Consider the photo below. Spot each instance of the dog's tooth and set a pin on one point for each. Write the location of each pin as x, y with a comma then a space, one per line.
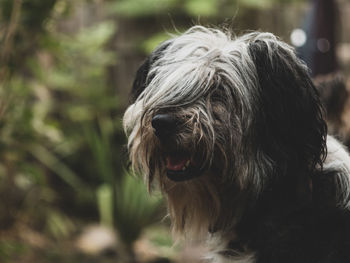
188, 163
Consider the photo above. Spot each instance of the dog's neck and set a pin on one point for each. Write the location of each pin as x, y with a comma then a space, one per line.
247, 213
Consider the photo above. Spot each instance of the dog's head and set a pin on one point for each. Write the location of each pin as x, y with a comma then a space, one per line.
215, 120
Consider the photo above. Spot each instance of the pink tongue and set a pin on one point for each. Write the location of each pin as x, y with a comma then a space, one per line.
175, 163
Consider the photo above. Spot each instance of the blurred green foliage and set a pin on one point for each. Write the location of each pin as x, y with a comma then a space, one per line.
60, 131
150, 44
135, 210
194, 8
137, 8
29, 19
10, 249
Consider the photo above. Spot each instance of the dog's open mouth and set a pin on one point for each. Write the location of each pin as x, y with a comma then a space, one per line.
177, 163
181, 167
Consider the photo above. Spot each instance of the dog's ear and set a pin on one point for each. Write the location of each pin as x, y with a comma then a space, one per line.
289, 119
142, 79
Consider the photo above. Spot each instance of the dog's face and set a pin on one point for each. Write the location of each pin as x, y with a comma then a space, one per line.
215, 120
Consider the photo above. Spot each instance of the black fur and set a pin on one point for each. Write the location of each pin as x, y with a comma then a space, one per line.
142, 79
296, 219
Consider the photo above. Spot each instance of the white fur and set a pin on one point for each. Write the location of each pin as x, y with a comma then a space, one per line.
187, 69
191, 62
132, 120
338, 159
249, 258
217, 245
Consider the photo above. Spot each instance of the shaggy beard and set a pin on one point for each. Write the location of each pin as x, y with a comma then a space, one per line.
195, 206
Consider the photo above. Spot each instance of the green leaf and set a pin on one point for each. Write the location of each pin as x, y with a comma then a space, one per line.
53, 163
135, 208
105, 204
58, 224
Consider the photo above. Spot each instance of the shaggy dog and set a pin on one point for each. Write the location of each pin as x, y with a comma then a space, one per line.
231, 130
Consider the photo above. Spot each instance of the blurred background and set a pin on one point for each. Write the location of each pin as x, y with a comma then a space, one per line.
66, 69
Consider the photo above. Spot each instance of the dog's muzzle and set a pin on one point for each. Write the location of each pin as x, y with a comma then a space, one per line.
180, 167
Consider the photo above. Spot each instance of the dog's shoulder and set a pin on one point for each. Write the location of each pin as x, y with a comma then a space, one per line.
310, 235
332, 184
319, 232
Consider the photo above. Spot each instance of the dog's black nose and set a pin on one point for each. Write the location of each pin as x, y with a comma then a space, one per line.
163, 124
